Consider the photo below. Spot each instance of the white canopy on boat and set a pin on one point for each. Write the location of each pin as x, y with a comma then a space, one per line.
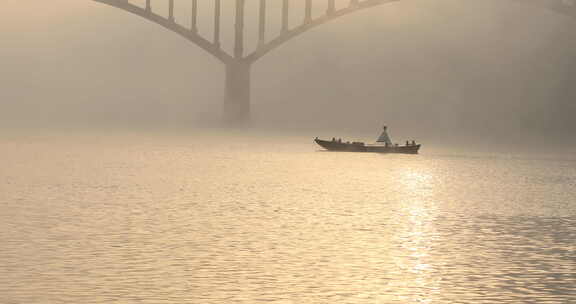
384, 138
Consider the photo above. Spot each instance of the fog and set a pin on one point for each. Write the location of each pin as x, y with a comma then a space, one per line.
436, 70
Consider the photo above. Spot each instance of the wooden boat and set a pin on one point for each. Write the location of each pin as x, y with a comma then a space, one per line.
382, 145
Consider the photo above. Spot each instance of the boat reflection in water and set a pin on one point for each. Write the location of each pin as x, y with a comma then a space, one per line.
382, 145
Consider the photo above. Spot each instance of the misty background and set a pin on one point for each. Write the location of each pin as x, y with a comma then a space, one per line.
434, 70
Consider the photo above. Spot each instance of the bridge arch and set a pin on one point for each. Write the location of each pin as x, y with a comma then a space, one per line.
238, 65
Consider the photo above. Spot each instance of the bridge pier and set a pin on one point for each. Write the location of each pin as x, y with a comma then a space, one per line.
237, 95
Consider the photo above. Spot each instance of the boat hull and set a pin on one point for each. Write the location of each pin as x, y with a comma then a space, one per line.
359, 147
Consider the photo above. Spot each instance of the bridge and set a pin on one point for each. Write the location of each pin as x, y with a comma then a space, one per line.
238, 61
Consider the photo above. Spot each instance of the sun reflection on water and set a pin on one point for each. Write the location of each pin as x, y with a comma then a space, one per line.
416, 237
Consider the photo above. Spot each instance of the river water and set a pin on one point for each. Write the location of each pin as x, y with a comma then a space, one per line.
249, 219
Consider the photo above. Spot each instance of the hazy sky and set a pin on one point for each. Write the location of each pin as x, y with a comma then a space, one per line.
490, 68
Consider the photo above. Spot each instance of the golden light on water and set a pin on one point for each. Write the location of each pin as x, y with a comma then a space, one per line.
302, 228
417, 236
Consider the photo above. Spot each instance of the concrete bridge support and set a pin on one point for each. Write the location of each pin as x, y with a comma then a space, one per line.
237, 94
